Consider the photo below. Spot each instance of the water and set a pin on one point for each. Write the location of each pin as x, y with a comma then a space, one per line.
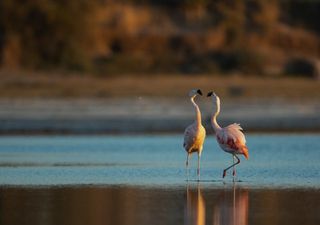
129, 205
141, 180
275, 161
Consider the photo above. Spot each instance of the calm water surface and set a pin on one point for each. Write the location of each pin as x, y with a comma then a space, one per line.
275, 161
142, 180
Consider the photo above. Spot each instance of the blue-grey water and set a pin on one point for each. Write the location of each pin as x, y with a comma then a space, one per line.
276, 160
141, 180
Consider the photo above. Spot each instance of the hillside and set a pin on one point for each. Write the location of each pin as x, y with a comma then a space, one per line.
254, 37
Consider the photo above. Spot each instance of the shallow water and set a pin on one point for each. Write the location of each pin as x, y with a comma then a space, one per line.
131, 205
131, 180
277, 160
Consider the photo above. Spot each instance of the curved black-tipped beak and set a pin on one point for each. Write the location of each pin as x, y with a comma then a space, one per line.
199, 92
210, 93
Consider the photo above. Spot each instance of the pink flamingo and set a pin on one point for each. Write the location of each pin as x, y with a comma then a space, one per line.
195, 133
230, 138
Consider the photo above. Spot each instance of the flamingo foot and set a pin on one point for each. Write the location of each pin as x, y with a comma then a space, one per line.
224, 174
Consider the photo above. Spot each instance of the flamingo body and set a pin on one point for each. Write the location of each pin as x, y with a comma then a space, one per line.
194, 138
232, 140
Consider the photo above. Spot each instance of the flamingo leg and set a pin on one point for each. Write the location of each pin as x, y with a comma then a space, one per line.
187, 165
187, 162
225, 170
198, 170
234, 168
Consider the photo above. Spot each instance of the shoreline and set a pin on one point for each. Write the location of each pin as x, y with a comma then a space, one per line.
150, 115
204, 185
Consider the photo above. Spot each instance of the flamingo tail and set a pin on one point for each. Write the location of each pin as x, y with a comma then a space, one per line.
245, 152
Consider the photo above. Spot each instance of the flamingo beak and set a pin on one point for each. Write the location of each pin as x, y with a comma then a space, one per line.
199, 92
210, 93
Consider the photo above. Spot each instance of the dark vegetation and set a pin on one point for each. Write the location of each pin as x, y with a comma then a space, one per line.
264, 37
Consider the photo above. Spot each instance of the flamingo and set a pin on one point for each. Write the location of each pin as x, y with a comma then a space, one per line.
195, 133
230, 138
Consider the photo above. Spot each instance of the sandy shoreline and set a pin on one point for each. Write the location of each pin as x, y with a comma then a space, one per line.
145, 114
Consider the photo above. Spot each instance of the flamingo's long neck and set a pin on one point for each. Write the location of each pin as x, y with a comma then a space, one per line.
198, 113
214, 123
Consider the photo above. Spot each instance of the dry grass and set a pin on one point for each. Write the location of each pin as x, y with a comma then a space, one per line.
31, 85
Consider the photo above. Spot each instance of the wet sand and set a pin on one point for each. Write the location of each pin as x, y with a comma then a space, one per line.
130, 205
151, 115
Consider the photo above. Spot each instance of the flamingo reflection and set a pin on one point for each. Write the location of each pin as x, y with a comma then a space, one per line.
232, 209
195, 211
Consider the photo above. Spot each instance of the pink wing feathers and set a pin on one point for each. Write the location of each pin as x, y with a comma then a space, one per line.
231, 139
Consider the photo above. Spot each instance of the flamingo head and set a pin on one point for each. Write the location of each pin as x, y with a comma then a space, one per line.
215, 98
211, 93
195, 92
